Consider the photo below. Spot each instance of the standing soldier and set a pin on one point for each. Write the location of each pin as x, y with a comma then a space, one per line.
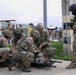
11, 29
60, 34
4, 51
20, 27
72, 65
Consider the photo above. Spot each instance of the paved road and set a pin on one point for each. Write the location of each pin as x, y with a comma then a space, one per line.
59, 70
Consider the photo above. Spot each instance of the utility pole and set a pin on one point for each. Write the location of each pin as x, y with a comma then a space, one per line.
45, 13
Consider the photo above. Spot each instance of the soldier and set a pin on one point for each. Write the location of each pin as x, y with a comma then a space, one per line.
20, 27
4, 51
21, 52
10, 27
35, 35
38, 56
72, 65
43, 42
60, 34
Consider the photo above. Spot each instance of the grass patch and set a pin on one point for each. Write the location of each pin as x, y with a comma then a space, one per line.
9, 45
58, 51
58, 54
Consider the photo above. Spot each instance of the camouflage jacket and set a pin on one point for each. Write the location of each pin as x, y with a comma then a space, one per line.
3, 42
44, 37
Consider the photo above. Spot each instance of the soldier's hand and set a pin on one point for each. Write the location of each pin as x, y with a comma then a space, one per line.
35, 51
40, 47
10, 55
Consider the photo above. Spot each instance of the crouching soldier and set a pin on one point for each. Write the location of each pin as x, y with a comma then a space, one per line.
22, 56
4, 51
41, 56
44, 43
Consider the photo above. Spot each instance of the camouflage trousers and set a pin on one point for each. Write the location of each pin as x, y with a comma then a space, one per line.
4, 53
24, 57
40, 59
72, 65
48, 52
45, 55
74, 48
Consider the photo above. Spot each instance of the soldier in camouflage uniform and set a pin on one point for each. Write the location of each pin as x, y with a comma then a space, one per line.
72, 65
43, 43
60, 34
38, 56
4, 51
21, 52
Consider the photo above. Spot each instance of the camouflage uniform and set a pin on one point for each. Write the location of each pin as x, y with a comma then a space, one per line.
60, 34
44, 41
22, 53
21, 28
72, 65
73, 62
38, 56
10, 28
4, 51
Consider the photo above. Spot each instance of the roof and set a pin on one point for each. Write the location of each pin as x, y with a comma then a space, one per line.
51, 27
6, 20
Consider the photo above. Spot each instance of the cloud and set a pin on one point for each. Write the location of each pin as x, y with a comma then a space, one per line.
26, 11
54, 21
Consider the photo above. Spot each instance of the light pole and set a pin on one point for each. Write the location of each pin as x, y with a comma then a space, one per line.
45, 13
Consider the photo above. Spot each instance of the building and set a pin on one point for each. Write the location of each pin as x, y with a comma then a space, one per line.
4, 24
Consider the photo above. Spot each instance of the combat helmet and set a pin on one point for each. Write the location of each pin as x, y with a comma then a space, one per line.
29, 41
17, 33
7, 33
72, 8
35, 33
39, 26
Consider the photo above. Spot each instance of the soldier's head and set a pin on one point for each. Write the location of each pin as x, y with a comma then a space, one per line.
7, 34
39, 27
20, 25
29, 41
17, 33
31, 25
34, 34
72, 8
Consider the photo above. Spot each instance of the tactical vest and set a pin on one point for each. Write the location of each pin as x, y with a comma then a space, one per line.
42, 38
21, 46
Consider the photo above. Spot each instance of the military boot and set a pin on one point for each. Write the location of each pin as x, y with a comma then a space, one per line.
12, 63
72, 65
25, 69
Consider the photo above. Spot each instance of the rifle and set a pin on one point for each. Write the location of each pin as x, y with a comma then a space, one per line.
21, 40
37, 49
49, 64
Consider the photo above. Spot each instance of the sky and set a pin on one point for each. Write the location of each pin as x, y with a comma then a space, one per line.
31, 11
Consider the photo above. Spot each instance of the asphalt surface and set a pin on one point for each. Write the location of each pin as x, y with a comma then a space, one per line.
59, 70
